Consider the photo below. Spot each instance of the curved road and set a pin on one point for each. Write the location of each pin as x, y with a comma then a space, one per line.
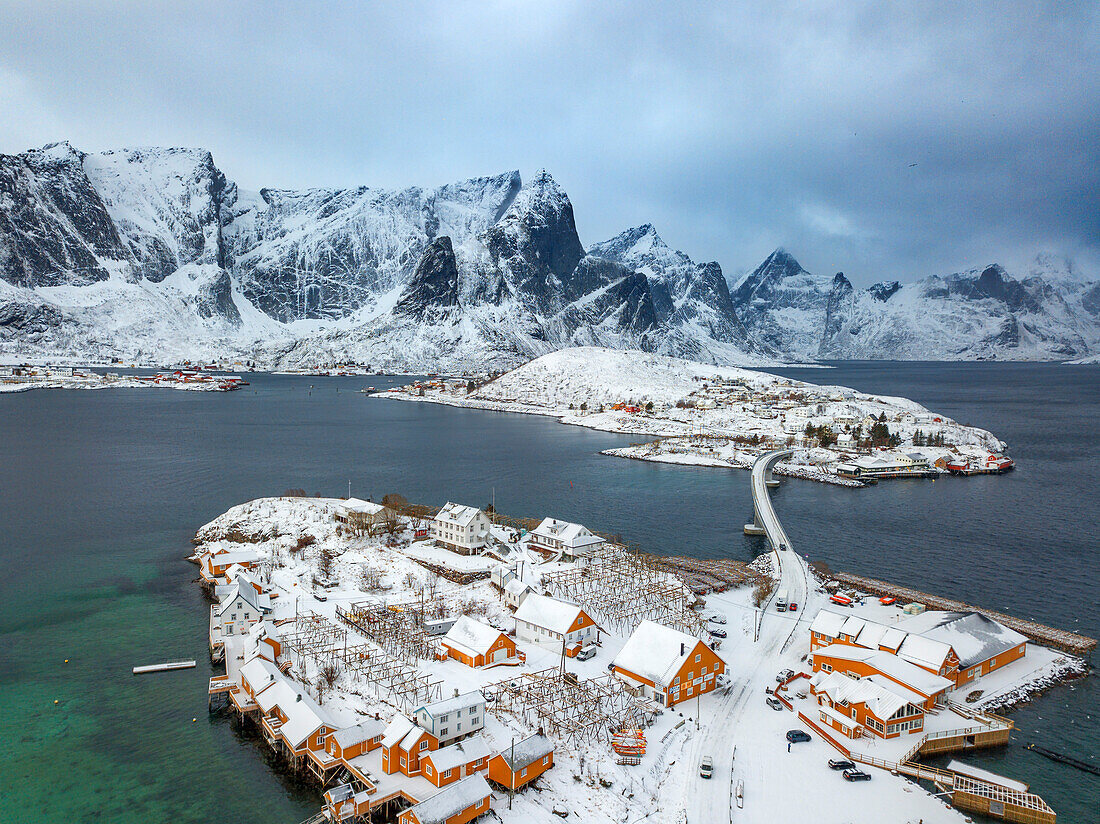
727, 728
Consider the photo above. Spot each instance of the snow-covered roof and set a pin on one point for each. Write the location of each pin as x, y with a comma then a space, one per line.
924, 651
572, 535
526, 752
303, 714
465, 751
260, 673
240, 556
359, 505
398, 728
472, 637
828, 623
457, 514
248, 594
458, 702
363, 731
881, 700
548, 613
974, 637
451, 800
919, 679
655, 652
516, 587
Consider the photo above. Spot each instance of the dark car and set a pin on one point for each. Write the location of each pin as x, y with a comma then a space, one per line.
718, 632
841, 765
794, 736
856, 775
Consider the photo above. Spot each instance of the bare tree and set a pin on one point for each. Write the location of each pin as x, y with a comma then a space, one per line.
361, 523
370, 579
324, 562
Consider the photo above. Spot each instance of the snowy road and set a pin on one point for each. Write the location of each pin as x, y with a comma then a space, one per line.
733, 722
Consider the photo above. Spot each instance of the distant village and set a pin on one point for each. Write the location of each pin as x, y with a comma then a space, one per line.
727, 421
428, 665
27, 377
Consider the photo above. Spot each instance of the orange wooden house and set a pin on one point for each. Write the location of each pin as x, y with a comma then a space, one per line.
874, 703
522, 763
476, 644
351, 742
857, 662
456, 803
403, 746
450, 764
667, 665
541, 619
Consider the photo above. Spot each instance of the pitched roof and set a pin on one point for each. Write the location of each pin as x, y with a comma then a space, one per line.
548, 613
248, 594
363, 731
472, 637
260, 673
878, 697
655, 652
359, 505
398, 728
452, 799
828, 623
465, 751
526, 752
572, 535
919, 679
303, 714
974, 636
458, 702
457, 514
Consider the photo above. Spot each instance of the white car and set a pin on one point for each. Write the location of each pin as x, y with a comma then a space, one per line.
717, 618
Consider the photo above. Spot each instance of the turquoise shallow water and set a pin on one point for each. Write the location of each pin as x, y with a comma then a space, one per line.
101, 491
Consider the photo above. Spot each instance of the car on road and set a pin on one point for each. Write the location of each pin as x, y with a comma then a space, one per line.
795, 736
782, 547
856, 775
793, 607
586, 653
706, 767
784, 675
717, 632
320, 596
840, 764
774, 703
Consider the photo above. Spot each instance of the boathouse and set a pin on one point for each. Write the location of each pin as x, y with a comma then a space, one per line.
457, 803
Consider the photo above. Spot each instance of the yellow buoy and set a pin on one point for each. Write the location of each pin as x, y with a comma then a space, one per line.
194, 719
66, 660
55, 701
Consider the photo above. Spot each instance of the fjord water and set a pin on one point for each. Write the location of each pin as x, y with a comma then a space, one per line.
102, 490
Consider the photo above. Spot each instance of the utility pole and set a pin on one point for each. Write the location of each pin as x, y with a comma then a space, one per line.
511, 769
349, 487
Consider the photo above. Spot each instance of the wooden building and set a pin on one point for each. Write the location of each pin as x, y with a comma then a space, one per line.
667, 665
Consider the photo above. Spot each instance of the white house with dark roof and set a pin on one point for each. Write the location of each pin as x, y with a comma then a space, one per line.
461, 529
571, 541
239, 607
453, 718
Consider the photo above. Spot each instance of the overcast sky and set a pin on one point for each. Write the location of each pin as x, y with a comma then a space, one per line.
884, 141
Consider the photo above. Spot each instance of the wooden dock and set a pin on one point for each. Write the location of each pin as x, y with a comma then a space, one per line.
1071, 642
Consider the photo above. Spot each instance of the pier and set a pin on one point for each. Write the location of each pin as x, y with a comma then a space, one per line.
165, 666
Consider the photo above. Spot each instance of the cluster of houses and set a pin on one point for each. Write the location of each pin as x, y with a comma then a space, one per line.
882, 679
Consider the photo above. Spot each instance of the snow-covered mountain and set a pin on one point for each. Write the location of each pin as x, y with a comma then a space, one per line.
155, 254
1050, 314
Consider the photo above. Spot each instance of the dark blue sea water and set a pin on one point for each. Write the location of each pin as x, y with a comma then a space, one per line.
101, 491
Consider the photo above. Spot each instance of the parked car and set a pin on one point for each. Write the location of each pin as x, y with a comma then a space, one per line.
795, 736
717, 632
782, 547
840, 764
784, 675
320, 596
856, 775
706, 767
586, 653
718, 618
774, 703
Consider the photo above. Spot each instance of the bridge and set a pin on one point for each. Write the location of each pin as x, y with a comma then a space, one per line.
765, 521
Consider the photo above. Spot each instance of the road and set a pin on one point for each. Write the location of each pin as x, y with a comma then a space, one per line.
736, 720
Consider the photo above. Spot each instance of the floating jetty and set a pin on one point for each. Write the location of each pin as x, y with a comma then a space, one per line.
165, 666
1071, 642
1064, 759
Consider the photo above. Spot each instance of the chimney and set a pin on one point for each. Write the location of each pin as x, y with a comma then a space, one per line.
298, 697
456, 692
683, 648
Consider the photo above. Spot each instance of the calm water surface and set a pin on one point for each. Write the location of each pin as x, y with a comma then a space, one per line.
101, 491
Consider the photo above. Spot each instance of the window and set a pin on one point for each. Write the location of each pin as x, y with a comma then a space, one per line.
523, 772
443, 718
428, 769
698, 658
443, 733
402, 761
677, 681
546, 761
423, 745
703, 671
447, 774
473, 722
691, 674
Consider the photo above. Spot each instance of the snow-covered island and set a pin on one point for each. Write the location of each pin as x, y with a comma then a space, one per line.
26, 378
725, 417
433, 664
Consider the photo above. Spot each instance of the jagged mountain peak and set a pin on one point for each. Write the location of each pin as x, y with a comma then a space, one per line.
884, 290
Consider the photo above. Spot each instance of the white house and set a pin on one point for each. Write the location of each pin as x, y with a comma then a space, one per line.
515, 591
461, 529
571, 540
547, 621
453, 718
239, 608
367, 512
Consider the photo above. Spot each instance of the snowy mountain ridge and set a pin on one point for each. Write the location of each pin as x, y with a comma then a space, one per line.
154, 254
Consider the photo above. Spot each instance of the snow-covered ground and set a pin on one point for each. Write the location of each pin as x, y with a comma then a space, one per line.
706, 415
94, 380
735, 727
